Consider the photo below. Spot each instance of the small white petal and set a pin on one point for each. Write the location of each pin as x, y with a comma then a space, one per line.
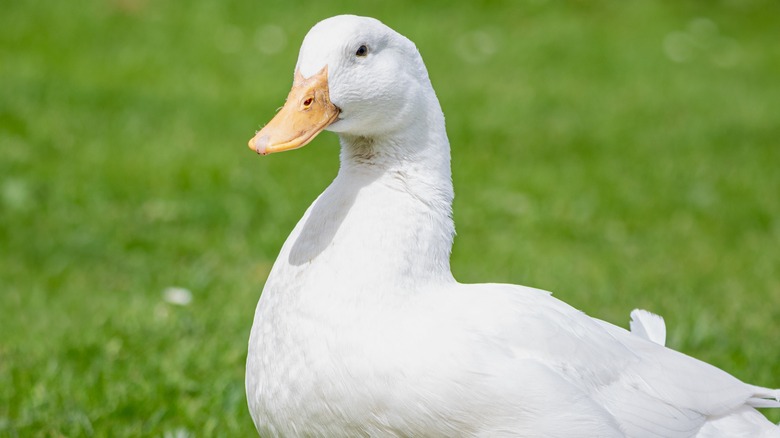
178, 296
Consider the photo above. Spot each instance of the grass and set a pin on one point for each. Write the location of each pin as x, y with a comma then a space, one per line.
620, 154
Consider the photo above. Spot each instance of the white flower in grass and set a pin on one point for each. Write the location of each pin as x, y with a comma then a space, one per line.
177, 295
180, 432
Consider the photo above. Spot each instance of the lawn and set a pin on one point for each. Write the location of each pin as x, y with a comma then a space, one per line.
620, 154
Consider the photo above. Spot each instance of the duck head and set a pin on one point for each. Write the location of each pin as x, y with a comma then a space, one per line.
354, 76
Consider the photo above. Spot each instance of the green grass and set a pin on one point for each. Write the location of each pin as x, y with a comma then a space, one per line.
620, 154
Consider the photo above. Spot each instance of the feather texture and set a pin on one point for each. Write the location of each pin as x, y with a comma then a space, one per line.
649, 326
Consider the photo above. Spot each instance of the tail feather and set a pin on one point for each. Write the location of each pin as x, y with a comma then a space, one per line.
649, 326
764, 397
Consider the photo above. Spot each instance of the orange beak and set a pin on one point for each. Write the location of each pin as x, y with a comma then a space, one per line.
306, 113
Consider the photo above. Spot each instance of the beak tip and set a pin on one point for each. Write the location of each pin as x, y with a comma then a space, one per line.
259, 144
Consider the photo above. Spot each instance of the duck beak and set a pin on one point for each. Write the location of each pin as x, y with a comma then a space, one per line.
306, 113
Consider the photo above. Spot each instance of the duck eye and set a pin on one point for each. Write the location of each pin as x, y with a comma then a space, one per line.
362, 51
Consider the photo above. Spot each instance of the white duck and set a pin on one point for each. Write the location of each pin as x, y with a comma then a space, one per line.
362, 330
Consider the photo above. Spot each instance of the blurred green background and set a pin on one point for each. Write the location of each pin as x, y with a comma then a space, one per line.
620, 154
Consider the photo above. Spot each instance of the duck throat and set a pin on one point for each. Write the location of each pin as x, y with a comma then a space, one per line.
387, 215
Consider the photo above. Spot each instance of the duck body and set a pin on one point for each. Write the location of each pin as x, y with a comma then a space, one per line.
361, 329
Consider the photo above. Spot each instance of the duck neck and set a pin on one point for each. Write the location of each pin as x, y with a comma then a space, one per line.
406, 193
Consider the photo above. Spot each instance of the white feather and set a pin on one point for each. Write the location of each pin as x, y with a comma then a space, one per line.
649, 326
